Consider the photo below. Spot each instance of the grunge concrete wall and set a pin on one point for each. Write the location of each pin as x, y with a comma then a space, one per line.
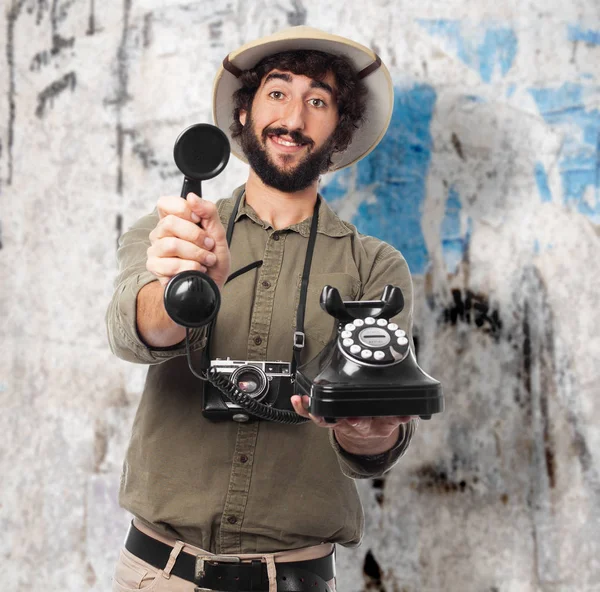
488, 181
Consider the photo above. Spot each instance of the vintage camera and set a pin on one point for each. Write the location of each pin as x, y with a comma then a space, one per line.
268, 383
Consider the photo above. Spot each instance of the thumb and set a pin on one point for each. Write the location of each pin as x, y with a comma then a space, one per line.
207, 210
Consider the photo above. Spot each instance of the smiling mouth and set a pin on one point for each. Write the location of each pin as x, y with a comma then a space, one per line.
281, 141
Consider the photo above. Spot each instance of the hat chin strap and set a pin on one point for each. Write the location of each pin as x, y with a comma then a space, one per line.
370, 68
227, 65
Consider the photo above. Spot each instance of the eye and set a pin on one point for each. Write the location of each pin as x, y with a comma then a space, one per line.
320, 103
276, 94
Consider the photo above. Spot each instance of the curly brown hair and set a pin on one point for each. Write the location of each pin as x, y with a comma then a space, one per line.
351, 93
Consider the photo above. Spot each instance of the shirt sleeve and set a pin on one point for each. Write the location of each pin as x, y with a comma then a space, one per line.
357, 466
121, 321
385, 265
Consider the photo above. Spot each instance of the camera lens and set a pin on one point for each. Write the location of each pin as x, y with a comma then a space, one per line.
251, 380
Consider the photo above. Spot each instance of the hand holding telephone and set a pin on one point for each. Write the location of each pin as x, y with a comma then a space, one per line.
368, 368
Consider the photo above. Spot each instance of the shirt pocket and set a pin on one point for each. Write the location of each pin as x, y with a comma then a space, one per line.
318, 324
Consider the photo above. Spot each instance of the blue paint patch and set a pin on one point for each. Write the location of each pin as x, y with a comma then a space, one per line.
454, 244
577, 33
395, 173
541, 179
451, 222
579, 159
486, 49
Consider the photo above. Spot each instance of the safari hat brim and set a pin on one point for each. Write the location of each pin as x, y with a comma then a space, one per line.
375, 75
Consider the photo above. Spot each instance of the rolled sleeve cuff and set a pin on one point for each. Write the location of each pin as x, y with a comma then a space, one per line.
359, 466
122, 326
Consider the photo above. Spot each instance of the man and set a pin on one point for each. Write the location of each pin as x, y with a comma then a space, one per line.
268, 500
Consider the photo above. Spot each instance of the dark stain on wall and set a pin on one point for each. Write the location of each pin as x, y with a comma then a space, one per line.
119, 227
48, 95
454, 475
122, 95
215, 32
526, 377
298, 15
574, 52
372, 573
91, 30
144, 152
472, 308
457, 146
120, 140
122, 92
582, 450
43, 58
60, 11
538, 364
100, 445
378, 485
146, 155
147, 29
437, 479
90, 575
11, 19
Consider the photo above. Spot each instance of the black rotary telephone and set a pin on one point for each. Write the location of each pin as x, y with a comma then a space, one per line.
368, 368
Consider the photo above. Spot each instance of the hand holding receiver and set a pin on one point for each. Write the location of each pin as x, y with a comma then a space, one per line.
189, 236
197, 251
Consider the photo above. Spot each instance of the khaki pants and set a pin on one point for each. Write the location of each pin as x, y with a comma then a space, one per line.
131, 573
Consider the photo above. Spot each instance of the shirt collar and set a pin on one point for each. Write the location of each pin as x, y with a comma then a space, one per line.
329, 222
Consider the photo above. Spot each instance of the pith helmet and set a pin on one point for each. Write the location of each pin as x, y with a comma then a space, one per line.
375, 75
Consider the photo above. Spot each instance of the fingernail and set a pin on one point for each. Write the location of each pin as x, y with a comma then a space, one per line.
210, 259
195, 217
209, 243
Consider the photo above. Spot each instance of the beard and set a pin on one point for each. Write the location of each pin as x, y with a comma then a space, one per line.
304, 174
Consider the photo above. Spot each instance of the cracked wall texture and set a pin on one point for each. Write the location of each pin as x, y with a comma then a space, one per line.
488, 181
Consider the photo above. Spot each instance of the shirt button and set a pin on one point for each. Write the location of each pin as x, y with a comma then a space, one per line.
275, 237
266, 284
258, 340
243, 459
232, 519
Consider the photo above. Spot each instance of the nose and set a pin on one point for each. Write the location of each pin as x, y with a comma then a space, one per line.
293, 115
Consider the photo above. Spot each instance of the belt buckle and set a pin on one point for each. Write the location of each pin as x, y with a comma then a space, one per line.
201, 559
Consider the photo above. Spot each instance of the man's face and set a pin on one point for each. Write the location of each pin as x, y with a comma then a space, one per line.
287, 137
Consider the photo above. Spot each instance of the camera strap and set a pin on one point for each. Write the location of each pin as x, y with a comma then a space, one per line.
299, 337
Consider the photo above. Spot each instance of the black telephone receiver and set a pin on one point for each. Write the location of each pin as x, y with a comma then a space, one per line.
201, 152
368, 368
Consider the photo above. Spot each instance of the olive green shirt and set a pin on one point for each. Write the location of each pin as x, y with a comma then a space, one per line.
261, 486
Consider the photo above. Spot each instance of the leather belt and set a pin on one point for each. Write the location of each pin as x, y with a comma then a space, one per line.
228, 574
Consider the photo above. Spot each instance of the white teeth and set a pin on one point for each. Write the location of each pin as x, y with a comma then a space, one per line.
285, 142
